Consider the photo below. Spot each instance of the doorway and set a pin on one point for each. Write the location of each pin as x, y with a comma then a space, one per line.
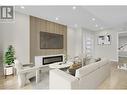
122, 47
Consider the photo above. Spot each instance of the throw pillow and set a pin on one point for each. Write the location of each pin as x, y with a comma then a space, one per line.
72, 69
98, 59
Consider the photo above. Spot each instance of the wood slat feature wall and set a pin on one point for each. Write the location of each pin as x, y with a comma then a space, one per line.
37, 25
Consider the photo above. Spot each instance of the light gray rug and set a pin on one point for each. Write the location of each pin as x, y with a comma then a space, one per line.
44, 83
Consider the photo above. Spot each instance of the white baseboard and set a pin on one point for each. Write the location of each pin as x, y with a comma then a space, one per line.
114, 61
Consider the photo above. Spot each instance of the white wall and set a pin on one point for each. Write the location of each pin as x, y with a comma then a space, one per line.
17, 34
107, 51
0, 39
74, 42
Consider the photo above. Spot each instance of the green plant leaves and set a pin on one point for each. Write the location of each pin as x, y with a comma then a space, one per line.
9, 55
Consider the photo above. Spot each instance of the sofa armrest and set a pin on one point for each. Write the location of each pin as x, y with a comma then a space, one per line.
28, 70
58, 79
24, 75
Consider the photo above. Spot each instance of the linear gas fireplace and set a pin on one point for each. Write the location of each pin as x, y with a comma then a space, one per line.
53, 59
50, 59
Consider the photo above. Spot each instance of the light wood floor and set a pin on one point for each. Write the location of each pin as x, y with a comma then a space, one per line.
11, 83
117, 80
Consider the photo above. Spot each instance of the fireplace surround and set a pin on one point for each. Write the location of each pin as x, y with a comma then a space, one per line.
49, 59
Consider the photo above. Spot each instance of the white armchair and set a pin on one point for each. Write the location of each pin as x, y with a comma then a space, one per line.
24, 73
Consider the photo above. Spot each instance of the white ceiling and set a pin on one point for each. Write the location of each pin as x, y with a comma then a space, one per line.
105, 16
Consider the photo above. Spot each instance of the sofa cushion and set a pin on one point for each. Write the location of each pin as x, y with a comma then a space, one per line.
87, 69
98, 59
72, 69
103, 62
90, 68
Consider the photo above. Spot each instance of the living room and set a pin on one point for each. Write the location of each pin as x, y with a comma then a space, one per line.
59, 43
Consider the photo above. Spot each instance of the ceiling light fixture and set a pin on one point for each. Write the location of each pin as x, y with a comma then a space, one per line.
74, 7
56, 18
22, 7
96, 25
93, 19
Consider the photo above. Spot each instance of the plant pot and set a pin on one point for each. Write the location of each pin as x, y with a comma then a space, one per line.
8, 70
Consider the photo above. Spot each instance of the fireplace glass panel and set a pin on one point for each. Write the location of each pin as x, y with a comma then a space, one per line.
49, 60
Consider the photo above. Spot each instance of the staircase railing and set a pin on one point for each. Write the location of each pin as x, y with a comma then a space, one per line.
122, 46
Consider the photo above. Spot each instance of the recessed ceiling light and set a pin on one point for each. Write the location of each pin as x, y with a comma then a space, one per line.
93, 19
74, 7
96, 25
22, 7
56, 18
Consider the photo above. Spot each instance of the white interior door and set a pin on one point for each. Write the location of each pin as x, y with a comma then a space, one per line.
88, 43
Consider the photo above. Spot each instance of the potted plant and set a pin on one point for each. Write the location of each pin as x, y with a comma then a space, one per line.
9, 60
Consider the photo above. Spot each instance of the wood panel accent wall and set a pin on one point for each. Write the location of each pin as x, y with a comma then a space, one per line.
37, 25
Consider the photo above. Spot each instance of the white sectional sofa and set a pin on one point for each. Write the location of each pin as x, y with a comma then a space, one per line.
87, 77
